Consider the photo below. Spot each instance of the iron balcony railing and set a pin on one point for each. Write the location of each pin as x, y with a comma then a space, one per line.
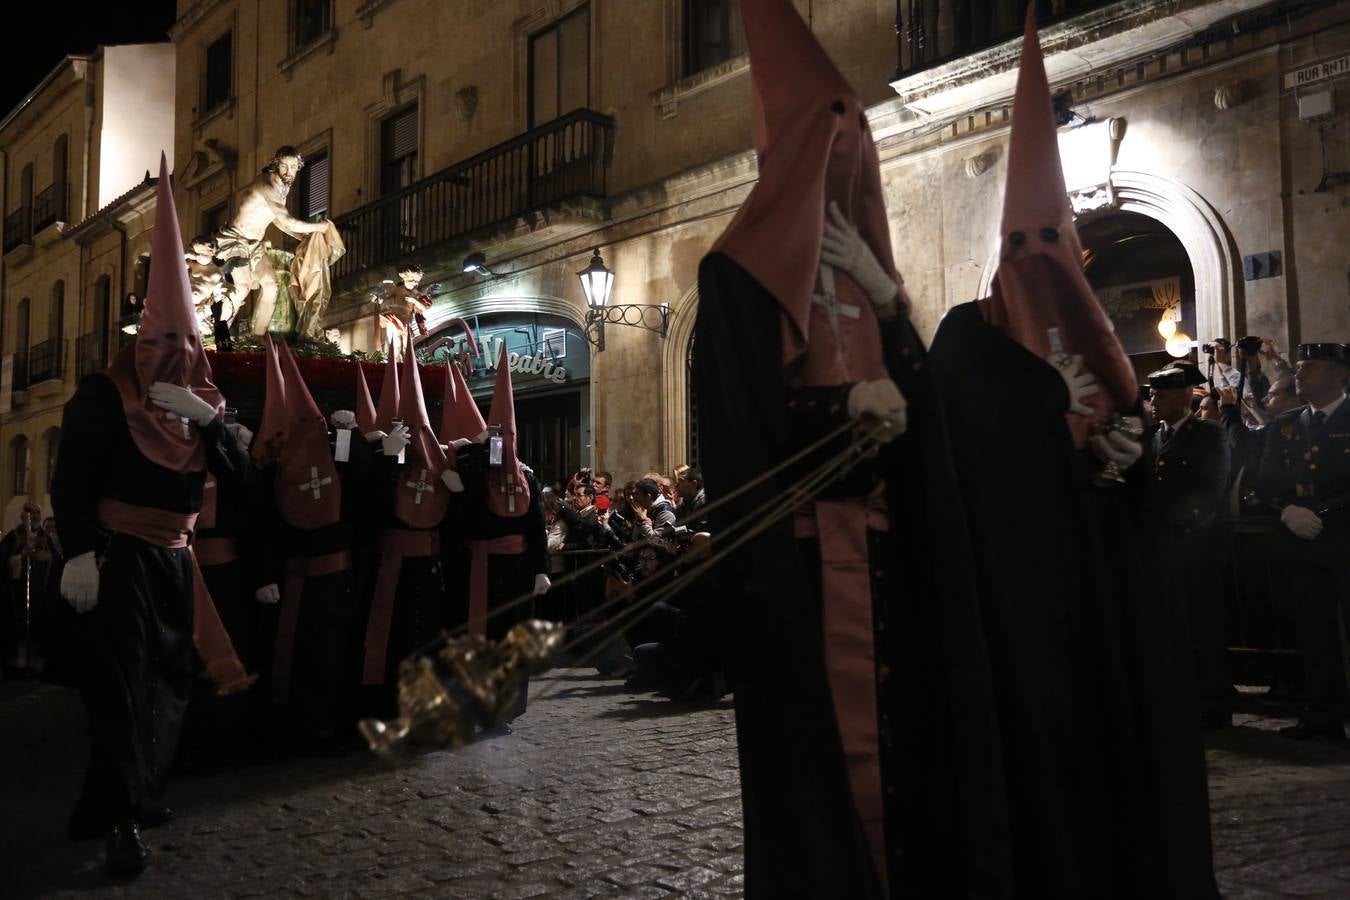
568, 157
49, 206
90, 354
18, 228
931, 32
46, 360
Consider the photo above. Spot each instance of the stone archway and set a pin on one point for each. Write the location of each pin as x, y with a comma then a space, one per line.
1213, 255
675, 378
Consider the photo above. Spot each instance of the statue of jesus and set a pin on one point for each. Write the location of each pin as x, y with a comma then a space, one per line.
240, 244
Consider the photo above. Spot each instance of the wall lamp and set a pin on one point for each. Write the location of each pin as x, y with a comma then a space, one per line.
597, 282
476, 264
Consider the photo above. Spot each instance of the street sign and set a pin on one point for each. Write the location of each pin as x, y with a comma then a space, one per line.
1318, 71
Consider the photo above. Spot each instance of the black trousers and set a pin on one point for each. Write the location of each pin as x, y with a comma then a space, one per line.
325, 668
215, 725
134, 661
1318, 596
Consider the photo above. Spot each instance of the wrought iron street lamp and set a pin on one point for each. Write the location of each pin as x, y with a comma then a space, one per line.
597, 282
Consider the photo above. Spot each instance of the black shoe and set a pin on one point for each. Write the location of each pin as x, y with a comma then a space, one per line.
1306, 732
154, 815
127, 853
84, 824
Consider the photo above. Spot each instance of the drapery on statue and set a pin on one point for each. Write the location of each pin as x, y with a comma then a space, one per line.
243, 251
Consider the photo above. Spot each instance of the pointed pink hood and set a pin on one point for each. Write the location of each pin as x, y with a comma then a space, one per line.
307, 488
814, 147
167, 347
1040, 282
460, 418
508, 490
365, 407
387, 411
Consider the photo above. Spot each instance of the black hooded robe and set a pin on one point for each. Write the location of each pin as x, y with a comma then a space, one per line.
134, 651
940, 767
1095, 689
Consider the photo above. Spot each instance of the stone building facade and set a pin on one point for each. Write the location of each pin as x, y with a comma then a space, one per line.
78, 207
1205, 145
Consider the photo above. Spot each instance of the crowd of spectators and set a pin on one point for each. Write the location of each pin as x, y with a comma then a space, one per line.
650, 532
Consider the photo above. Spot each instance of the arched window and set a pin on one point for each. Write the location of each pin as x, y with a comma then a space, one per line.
52, 442
21, 318
18, 456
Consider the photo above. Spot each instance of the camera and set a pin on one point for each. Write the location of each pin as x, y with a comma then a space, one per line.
679, 534
1215, 345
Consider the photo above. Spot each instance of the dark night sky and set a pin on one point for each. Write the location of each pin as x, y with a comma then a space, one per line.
38, 33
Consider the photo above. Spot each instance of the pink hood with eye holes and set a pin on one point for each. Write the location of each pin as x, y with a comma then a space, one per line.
167, 347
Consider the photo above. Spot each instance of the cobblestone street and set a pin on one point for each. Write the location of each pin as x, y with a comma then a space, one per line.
598, 793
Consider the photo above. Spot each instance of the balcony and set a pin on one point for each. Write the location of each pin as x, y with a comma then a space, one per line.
90, 354
960, 55
565, 159
46, 361
18, 228
49, 207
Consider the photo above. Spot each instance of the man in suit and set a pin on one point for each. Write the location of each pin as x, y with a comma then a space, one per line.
1305, 476
1190, 474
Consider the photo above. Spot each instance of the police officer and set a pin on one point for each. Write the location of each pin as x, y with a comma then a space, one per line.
1190, 460
1305, 476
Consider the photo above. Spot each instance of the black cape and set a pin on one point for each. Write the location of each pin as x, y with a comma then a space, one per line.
940, 764
1100, 730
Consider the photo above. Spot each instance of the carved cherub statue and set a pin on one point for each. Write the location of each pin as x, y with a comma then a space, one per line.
403, 303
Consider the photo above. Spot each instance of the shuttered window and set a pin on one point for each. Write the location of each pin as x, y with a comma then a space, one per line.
219, 72
398, 150
312, 187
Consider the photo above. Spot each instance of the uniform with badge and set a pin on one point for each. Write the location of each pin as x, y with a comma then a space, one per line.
1190, 462
1305, 475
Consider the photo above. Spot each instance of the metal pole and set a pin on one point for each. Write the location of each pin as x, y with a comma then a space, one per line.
28, 611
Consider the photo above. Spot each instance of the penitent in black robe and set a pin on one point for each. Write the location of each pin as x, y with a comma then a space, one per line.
946, 831
1095, 690
133, 651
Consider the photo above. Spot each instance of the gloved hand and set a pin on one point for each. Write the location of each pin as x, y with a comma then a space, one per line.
453, 481
268, 593
1301, 522
394, 442
879, 400
79, 582
181, 402
373, 436
844, 248
541, 584
241, 434
1118, 448
460, 442
1078, 379
343, 418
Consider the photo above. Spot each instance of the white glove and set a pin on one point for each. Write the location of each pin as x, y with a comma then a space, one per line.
395, 441
343, 418
541, 584
844, 248
879, 400
268, 593
373, 436
453, 481
1300, 520
460, 442
241, 434
79, 582
181, 402
1079, 380
1118, 448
